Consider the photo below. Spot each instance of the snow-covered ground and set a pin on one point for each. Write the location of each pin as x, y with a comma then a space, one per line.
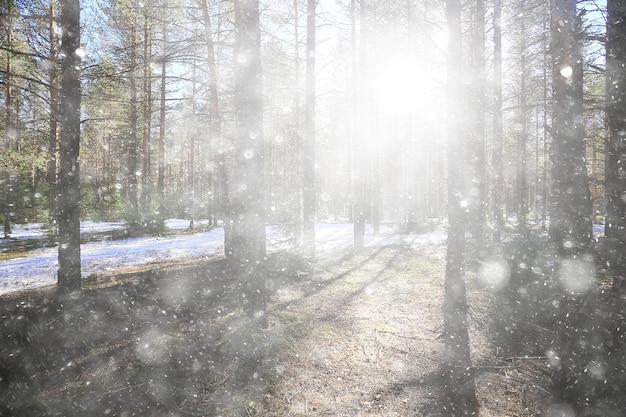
40, 266
36, 231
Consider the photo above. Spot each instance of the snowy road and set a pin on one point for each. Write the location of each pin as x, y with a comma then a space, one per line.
40, 266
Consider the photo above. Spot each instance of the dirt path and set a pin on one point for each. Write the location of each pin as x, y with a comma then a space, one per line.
372, 344
374, 327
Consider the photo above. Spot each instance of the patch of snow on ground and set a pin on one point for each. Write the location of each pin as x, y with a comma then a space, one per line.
598, 229
182, 224
26, 231
37, 231
39, 268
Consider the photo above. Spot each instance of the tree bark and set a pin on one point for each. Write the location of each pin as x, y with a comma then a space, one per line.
191, 152
478, 199
523, 137
616, 117
616, 121
544, 179
161, 156
308, 154
359, 183
133, 210
570, 217
146, 173
248, 200
69, 276
458, 364
8, 123
53, 142
221, 187
296, 160
571, 206
498, 141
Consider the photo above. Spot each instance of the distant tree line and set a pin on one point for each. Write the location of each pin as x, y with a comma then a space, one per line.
157, 118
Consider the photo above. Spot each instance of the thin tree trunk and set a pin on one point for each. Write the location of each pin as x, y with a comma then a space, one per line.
544, 185
308, 154
132, 137
8, 123
221, 186
161, 157
523, 138
147, 117
53, 142
297, 158
498, 141
69, 276
353, 118
457, 359
359, 186
537, 184
191, 152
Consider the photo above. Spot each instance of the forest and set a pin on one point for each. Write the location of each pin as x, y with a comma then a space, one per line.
411, 207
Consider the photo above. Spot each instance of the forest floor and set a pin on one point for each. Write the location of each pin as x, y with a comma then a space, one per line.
352, 335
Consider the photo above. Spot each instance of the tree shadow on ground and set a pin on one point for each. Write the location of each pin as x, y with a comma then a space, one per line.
149, 345
154, 343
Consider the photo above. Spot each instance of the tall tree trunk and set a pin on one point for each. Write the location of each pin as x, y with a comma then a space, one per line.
616, 121
53, 141
498, 141
544, 176
221, 186
191, 152
478, 97
616, 118
359, 186
69, 277
523, 137
248, 203
458, 364
161, 157
296, 162
571, 205
570, 217
308, 154
147, 116
353, 106
9, 127
133, 209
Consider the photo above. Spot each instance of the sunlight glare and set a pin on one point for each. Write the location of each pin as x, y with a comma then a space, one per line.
398, 86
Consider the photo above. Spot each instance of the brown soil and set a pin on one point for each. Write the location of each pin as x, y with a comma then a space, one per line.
358, 335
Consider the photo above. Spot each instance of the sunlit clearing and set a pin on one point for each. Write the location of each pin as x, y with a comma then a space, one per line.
399, 86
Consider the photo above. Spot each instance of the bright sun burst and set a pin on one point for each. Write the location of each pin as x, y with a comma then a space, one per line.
399, 86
